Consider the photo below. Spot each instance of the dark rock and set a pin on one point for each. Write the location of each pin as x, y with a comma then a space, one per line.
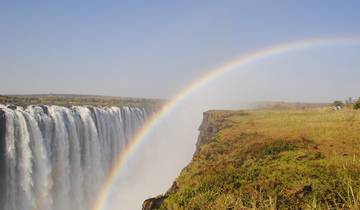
306, 190
45, 109
208, 130
2, 156
12, 106
173, 189
153, 203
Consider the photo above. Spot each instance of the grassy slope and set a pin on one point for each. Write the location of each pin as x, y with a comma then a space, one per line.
78, 100
275, 159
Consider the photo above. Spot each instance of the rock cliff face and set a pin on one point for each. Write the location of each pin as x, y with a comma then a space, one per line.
270, 159
155, 203
2, 155
208, 129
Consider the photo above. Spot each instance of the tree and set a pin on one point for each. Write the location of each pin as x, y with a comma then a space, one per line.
357, 104
338, 103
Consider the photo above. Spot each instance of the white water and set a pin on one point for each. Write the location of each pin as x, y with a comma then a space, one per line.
56, 158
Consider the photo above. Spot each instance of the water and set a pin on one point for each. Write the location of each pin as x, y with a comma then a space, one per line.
56, 158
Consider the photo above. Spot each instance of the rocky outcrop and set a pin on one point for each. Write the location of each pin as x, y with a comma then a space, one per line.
213, 121
155, 203
208, 129
2, 156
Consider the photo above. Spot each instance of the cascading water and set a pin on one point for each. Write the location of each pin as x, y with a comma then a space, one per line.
55, 158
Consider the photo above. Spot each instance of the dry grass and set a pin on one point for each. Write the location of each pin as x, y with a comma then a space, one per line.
275, 159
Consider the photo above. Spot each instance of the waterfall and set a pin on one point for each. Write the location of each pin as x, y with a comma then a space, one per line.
56, 158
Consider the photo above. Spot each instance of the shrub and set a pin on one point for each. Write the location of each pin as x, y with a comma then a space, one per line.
278, 147
338, 103
357, 104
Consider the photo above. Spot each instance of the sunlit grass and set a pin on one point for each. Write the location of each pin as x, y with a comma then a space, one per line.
275, 159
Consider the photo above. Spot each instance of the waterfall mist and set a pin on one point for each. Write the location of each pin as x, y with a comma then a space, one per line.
300, 76
56, 158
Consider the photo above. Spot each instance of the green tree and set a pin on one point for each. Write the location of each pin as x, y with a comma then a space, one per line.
357, 104
338, 103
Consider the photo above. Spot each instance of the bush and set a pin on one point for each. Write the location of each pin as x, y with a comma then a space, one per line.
357, 104
338, 103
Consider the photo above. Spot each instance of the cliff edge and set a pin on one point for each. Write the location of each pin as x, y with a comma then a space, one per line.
271, 159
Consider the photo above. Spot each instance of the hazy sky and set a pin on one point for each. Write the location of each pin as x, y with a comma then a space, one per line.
147, 48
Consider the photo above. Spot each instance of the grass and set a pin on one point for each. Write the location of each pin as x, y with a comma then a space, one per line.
274, 159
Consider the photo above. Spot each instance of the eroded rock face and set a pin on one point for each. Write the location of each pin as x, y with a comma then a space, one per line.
209, 127
2, 156
153, 203
211, 124
208, 130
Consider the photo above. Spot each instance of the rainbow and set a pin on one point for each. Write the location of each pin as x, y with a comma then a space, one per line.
241, 61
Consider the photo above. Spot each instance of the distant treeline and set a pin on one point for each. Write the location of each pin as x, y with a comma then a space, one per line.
79, 100
349, 102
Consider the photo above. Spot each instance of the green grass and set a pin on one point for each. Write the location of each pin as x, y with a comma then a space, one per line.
275, 159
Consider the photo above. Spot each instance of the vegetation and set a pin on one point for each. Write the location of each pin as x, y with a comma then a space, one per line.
274, 159
357, 104
78, 100
349, 103
338, 104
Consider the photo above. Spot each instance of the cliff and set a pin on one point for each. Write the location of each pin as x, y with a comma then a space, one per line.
211, 124
271, 159
2, 155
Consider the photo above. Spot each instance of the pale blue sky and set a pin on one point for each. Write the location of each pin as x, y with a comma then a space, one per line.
147, 48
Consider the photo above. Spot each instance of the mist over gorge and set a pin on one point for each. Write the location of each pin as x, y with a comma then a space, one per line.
187, 105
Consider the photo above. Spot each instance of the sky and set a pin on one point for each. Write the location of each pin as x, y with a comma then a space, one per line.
156, 48
149, 48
